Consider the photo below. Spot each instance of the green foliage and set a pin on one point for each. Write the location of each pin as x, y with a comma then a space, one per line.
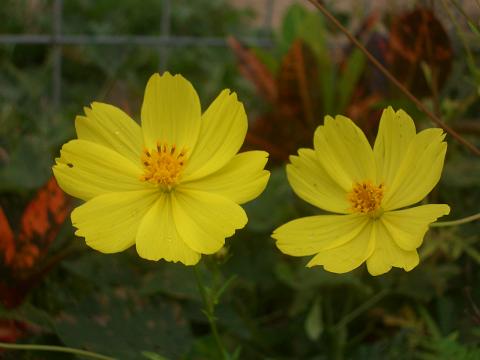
108, 73
267, 305
118, 325
25, 159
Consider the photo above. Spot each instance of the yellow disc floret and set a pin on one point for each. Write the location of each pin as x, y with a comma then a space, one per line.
366, 198
163, 165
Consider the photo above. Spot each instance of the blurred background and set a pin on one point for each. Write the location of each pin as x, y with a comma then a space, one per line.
290, 67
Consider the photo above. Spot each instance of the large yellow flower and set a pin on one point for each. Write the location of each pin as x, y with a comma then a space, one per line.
171, 186
370, 188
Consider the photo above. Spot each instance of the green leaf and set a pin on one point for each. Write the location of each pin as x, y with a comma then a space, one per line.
313, 32
27, 167
268, 59
292, 22
174, 280
314, 321
349, 79
236, 354
302, 278
120, 324
430, 323
28, 313
224, 287
153, 356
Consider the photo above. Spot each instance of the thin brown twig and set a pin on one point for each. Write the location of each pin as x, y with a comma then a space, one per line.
393, 79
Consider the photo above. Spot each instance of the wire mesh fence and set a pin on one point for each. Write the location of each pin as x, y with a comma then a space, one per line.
165, 40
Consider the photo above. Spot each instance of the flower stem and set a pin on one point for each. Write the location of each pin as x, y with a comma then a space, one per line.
209, 312
54, 348
456, 222
361, 309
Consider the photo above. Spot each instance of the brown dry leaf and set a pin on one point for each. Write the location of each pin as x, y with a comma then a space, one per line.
417, 37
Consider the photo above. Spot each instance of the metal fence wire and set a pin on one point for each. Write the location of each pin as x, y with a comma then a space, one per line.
162, 42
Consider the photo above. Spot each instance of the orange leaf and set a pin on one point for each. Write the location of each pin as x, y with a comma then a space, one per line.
26, 257
43, 215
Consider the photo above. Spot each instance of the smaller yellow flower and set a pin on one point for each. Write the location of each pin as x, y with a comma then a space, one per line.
370, 189
171, 186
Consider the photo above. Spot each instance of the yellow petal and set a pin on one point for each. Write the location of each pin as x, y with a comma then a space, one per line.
109, 126
170, 112
85, 169
204, 220
157, 236
313, 234
387, 253
241, 180
344, 152
408, 227
348, 256
311, 182
109, 222
419, 172
222, 132
395, 132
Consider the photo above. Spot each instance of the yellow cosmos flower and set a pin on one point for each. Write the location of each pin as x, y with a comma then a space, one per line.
173, 186
370, 189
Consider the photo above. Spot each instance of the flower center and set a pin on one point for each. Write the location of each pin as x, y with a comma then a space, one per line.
163, 165
366, 198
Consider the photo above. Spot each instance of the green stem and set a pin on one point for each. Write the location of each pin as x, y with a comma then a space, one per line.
53, 348
361, 309
456, 222
209, 312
